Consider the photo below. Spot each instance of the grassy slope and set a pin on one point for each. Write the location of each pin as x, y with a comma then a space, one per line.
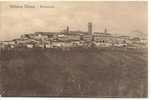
87, 73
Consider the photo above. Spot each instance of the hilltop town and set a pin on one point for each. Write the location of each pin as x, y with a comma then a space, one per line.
74, 64
72, 39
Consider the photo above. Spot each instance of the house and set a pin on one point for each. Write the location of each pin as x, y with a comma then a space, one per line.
120, 45
28, 36
29, 45
68, 44
57, 43
87, 37
76, 43
97, 38
70, 37
102, 44
103, 37
10, 44
21, 41
2, 45
48, 46
62, 44
97, 44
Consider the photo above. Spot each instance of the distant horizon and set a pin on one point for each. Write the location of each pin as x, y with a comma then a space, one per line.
143, 36
118, 34
118, 17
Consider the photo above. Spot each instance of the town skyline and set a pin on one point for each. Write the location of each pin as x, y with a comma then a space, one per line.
116, 17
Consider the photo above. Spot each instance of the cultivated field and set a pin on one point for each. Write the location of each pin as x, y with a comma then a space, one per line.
106, 72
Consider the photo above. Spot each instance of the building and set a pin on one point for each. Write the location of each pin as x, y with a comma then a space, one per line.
10, 44
105, 31
87, 38
90, 28
70, 37
67, 30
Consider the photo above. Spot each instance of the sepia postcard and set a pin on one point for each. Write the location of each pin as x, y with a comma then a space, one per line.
92, 49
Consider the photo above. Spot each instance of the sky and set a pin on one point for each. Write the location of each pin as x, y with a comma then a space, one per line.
118, 17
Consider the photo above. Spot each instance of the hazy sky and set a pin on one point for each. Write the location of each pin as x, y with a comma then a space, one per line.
117, 17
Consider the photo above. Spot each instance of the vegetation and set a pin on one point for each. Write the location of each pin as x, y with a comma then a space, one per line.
79, 72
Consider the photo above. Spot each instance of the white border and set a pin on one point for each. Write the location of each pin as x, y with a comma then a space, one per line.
75, 0
149, 48
149, 59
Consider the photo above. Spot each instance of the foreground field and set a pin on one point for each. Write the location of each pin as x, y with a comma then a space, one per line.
75, 73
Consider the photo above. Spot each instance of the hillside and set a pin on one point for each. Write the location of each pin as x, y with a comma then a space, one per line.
78, 72
138, 33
